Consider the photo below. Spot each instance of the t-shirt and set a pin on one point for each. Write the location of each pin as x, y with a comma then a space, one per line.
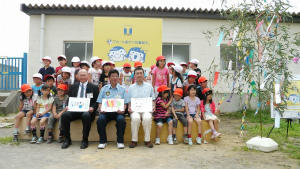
160, 111
53, 91
49, 71
60, 104
66, 81
184, 76
104, 79
208, 110
175, 83
178, 105
36, 89
28, 103
198, 71
161, 76
44, 104
186, 83
126, 81
192, 104
95, 75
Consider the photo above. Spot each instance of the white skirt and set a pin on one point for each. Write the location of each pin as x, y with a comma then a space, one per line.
211, 117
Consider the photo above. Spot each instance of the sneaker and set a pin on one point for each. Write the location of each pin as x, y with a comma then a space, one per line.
60, 139
26, 132
102, 146
15, 138
34, 139
212, 136
190, 141
185, 139
217, 134
49, 140
120, 145
157, 141
198, 140
175, 141
40, 140
170, 140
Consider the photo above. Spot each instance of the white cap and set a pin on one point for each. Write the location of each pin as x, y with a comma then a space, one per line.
75, 59
183, 63
104, 62
177, 68
93, 59
112, 62
62, 56
47, 58
192, 73
195, 61
84, 61
38, 75
66, 69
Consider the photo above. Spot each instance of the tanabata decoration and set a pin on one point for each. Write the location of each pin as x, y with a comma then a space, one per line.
220, 39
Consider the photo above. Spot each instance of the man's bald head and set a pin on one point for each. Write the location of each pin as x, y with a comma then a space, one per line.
83, 75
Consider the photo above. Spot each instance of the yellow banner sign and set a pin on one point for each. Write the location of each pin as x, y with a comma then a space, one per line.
127, 40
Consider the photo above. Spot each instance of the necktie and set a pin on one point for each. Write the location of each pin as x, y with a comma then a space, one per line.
81, 92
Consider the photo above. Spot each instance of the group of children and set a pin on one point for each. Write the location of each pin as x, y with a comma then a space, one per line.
180, 95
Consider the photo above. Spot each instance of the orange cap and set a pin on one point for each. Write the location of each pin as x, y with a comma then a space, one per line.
62, 87
162, 88
25, 87
161, 57
202, 79
205, 90
126, 65
138, 63
178, 91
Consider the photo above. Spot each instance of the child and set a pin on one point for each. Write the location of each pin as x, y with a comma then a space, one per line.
64, 78
95, 71
26, 109
202, 81
49, 79
162, 114
149, 78
112, 65
84, 65
208, 110
125, 79
76, 66
44, 106
136, 65
62, 60
59, 107
177, 108
37, 79
192, 109
47, 69
104, 76
194, 66
192, 75
176, 79
184, 67
170, 64
160, 74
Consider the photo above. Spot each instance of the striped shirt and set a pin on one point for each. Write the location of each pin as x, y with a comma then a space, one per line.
160, 111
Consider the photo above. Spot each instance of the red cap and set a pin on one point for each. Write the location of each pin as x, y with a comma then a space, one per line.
25, 87
138, 63
126, 65
205, 90
153, 66
162, 88
160, 58
48, 76
170, 63
62, 87
178, 91
202, 79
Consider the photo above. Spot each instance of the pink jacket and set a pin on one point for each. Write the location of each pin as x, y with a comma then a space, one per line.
212, 107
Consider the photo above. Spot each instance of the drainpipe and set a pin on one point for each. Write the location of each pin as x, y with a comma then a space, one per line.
42, 37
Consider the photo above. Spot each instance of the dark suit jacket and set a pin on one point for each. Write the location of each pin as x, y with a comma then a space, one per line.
91, 88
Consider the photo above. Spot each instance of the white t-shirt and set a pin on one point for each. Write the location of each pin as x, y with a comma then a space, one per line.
95, 75
126, 81
44, 104
173, 81
28, 104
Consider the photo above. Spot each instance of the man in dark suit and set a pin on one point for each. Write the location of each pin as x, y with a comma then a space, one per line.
82, 89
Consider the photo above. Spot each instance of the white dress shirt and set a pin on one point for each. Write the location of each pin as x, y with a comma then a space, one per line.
79, 89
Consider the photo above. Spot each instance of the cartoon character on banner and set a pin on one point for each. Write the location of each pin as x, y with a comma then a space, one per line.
136, 54
117, 54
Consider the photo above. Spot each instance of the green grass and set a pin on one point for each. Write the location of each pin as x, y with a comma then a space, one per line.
289, 145
8, 140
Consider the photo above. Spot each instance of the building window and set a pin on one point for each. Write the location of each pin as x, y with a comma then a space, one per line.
84, 50
227, 53
176, 52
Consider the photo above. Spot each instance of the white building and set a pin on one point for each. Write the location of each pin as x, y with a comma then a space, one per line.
68, 29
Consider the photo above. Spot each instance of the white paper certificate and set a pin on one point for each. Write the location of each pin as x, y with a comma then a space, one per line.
79, 104
141, 104
112, 105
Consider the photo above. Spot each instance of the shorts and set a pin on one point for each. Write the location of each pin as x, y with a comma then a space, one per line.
160, 121
25, 111
45, 115
182, 119
51, 122
192, 115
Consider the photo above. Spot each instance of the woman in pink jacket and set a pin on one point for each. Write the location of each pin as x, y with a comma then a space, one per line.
208, 110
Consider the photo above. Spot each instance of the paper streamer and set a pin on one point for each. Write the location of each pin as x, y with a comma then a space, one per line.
222, 99
230, 38
258, 105
216, 78
262, 86
235, 32
260, 23
230, 65
244, 112
220, 39
277, 94
270, 23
